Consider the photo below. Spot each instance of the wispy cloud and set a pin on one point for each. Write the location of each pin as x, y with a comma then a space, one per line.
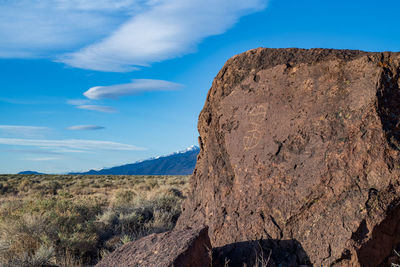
119, 35
31, 151
43, 159
78, 102
26, 131
85, 127
169, 29
135, 87
69, 145
86, 104
99, 108
21, 128
45, 28
99, 5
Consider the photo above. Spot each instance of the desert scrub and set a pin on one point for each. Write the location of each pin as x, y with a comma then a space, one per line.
52, 220
56, 223
137, 215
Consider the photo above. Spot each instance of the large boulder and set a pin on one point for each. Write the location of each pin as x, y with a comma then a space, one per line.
300, 151
178, 248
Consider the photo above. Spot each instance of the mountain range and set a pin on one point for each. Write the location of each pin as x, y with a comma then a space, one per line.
30, 172
178, 163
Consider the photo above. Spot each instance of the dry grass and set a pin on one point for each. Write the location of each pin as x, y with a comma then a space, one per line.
67, 220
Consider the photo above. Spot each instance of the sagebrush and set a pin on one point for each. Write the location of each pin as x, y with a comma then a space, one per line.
76, 220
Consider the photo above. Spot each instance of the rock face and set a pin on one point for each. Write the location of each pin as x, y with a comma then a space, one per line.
177, 248
300, 150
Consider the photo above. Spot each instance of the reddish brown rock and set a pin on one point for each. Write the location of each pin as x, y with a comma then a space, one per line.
178, 248
300, 150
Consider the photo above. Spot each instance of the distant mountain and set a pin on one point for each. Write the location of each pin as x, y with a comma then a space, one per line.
178, 163
30, 172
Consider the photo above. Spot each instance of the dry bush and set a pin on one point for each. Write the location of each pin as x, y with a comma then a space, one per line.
138, 215
57, 223
76, 220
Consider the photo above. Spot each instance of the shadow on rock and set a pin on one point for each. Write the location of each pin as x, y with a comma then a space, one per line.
261, 253
378, 250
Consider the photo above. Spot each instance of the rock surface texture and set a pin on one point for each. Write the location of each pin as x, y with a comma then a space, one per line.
300, 151
177, 248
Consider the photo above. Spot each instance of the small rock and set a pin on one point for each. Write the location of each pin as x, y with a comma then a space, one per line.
178, 248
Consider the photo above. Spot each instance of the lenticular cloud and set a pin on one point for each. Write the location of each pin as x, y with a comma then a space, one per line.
114, 35
136, 86
48, 28
167, 30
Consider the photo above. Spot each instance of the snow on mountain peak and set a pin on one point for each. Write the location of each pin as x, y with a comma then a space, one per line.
191, 148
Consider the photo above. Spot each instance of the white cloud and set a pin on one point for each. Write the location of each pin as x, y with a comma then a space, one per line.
78, 102
43, 159
26, 131
31, 151
86, 104
85, 127
45, 28
105, 109
98, 5
22, 128
70, 145
119, 35
136, 86
170, 29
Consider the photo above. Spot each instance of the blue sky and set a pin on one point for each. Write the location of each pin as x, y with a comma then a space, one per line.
90, 84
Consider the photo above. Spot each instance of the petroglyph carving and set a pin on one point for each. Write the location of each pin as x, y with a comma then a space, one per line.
259, 110
251, 139
253, 136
